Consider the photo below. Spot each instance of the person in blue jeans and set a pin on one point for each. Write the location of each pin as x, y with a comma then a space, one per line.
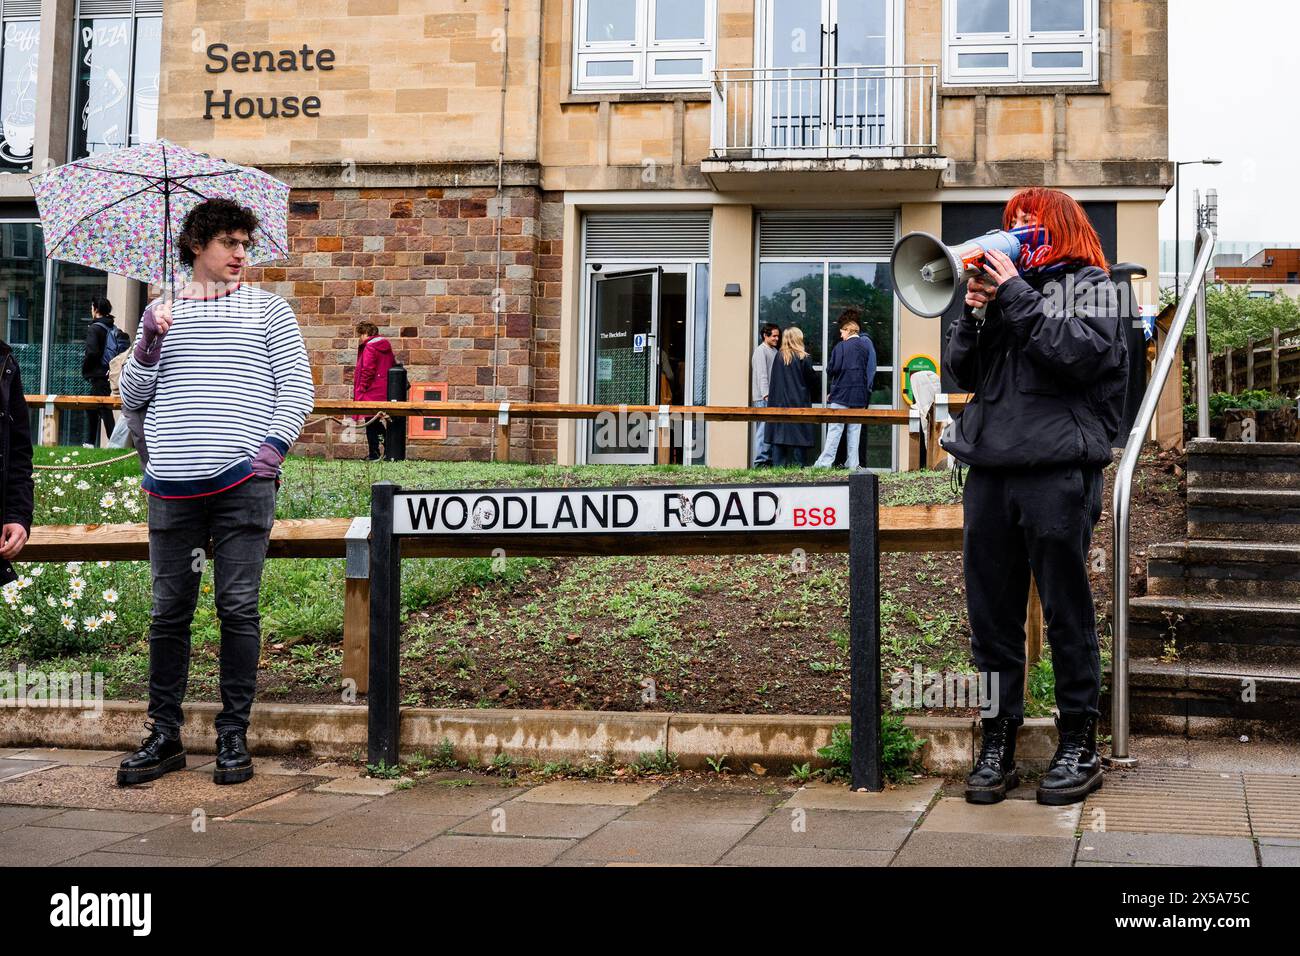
851, 370
760, 367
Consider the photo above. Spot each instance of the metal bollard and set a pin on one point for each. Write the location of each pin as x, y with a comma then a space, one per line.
395, 436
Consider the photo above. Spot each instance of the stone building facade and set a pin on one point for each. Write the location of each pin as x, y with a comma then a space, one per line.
659, 177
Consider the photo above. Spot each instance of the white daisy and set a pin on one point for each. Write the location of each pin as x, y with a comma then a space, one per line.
108, 617
77, 583
83, 485
38, 570
92, 623
110, 596
74, 567
67, 622
108, 500
29, 610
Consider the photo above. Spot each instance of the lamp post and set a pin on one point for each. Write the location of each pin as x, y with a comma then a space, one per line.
1178, 209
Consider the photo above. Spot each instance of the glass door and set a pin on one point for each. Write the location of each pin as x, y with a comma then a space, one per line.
826, 86
625, 362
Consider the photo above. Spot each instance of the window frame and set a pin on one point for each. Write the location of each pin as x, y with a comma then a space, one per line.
134, 12
645, 51
1020, 44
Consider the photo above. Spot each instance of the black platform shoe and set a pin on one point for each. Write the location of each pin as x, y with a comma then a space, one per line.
158, 754
234, 765
1075, 770
995, 769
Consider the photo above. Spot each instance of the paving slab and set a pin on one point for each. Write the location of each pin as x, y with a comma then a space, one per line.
11, 768
179, 793
359, 786
643, 841
519, 818
300, 807
683, 806
332, 769
750, 854
220, 840
833, 829
1166, 849
9, 751
376, 827
284, 854
11, 817
484, 851
73, 758
939, 848
442, 800
1008, 818
100, 858
119, 821
1279, 855
45, 846
912, 798
595, 793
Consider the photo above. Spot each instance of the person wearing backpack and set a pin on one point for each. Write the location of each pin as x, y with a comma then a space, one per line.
104, 341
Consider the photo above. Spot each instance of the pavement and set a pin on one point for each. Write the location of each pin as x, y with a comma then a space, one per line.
63, 808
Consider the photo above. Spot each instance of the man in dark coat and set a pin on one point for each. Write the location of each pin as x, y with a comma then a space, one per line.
16, 465
851, 370
94, 366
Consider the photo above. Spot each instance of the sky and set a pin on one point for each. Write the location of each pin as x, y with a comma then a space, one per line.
1233, 72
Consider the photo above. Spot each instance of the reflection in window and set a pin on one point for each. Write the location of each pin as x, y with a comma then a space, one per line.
983, 16
21, 47
637, 44
1056, 16
22, 296
113, 55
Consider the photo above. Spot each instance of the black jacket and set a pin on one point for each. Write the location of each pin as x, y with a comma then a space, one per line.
792, 386
852, 370
92, 364
15, 451
1048, 370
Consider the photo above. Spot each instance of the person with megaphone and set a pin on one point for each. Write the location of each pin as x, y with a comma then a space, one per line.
1041, 347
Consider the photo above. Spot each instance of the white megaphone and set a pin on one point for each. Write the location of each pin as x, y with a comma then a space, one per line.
930, 278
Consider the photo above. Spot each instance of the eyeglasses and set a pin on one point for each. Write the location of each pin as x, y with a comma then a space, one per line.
229, 243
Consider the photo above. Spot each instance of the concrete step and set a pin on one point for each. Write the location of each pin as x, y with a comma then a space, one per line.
1237, 630
1244, 513
1213, 700
1221, 464
1220, 570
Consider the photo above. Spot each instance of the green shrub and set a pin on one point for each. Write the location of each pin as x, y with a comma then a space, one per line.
899, 748
1257, 399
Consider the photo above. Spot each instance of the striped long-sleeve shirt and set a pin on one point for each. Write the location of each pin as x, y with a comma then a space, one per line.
233, 374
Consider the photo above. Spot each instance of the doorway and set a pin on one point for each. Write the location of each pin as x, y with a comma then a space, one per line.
827, 78
642, 351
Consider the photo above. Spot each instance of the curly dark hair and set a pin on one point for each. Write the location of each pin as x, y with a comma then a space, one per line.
209, 219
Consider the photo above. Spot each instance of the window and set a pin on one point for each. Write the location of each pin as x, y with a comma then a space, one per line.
118, 57
643, 44
1020, 41
19, 50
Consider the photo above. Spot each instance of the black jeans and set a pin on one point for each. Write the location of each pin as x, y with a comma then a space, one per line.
374, 434
1040, 520
99, 416
232, 528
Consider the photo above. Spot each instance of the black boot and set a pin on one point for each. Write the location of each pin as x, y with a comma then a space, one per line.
158, 754
234, 765
1075, 770
995, 768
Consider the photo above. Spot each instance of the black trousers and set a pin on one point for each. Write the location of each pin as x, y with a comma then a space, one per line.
1040, 520
97, 416
375, 433
231, 528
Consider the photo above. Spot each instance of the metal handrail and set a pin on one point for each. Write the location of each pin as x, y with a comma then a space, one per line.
1124, 478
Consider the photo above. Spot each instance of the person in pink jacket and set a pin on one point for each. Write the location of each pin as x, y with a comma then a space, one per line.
374, 359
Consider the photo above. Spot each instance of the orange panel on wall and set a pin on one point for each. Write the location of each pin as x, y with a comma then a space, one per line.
420, 427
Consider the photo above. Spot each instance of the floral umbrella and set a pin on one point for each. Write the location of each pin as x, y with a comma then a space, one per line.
120, 210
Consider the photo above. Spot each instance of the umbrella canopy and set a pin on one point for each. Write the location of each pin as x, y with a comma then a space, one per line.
121, 210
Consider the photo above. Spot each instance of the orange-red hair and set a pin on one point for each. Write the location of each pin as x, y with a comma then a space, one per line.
1073, 236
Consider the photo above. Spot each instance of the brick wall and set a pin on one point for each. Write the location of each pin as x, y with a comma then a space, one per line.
421, 264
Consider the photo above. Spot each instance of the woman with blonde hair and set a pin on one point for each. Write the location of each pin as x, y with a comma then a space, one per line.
793, 384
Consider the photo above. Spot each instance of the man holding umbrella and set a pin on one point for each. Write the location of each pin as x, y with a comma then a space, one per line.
223, 372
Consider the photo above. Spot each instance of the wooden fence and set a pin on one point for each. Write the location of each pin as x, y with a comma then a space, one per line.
1271, 364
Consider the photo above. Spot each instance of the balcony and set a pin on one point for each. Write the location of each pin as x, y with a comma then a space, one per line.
790, 128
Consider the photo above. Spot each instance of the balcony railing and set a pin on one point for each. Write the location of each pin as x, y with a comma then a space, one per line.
842, 111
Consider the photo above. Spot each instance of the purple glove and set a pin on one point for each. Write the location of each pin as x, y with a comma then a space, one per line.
266, 463
149, 349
